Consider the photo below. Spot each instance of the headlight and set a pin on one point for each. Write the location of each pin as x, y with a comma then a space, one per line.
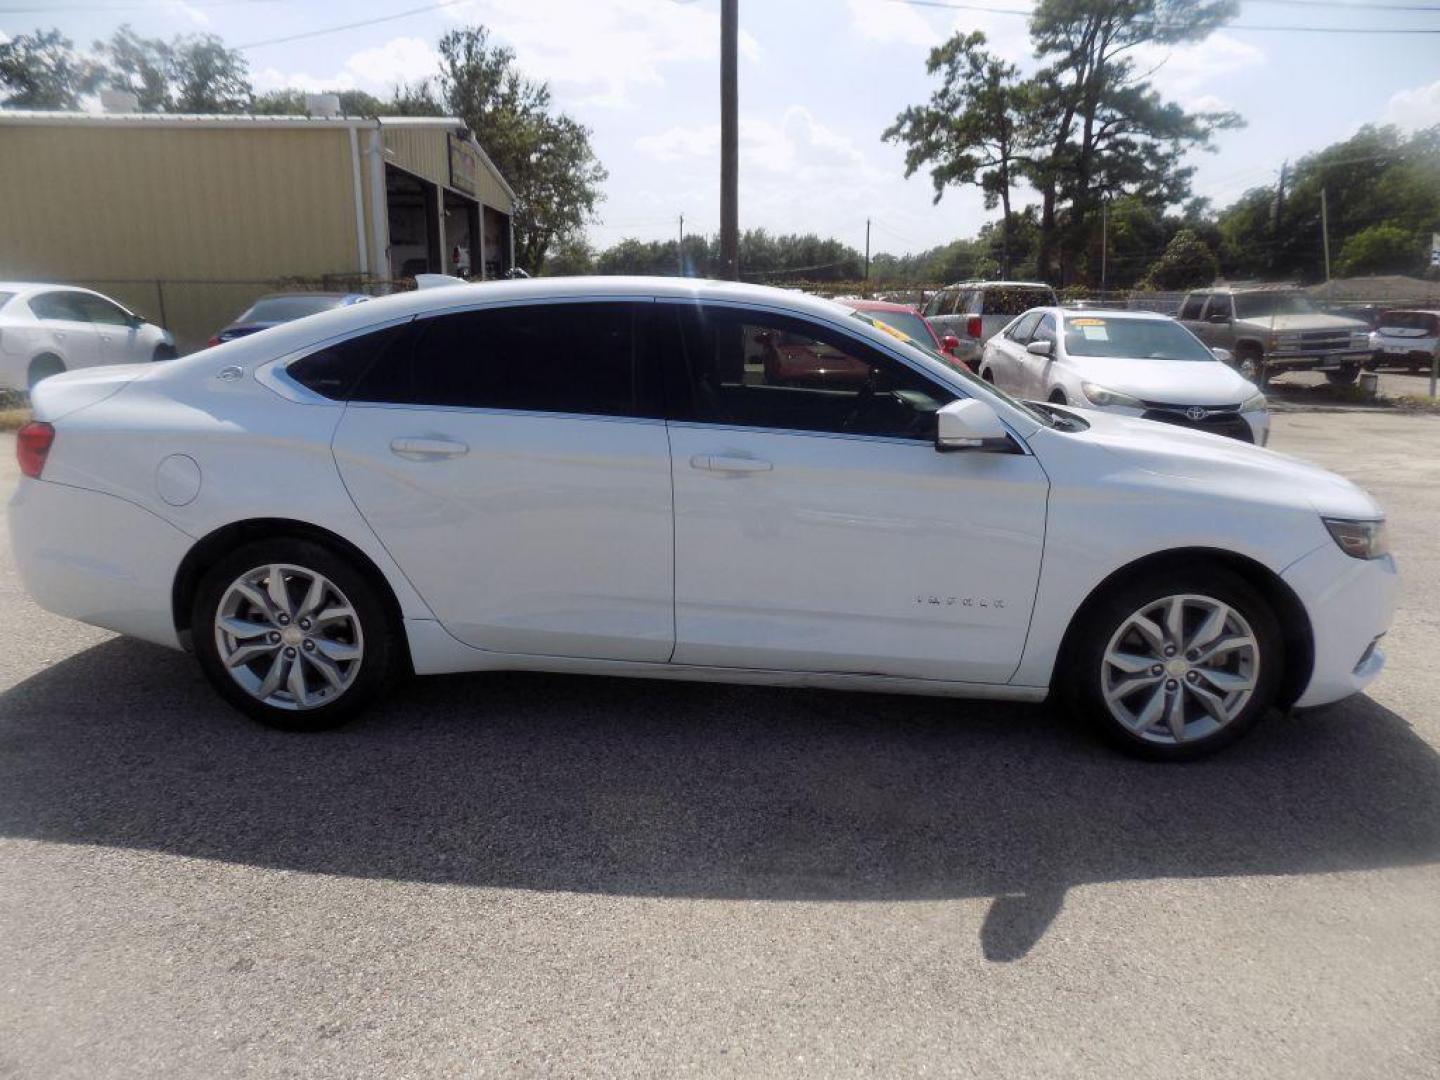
1106, 399
1359, 539
1254, 403
1284, 341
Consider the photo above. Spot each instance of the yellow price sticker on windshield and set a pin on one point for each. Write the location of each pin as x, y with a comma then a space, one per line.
893, 332
1087, 322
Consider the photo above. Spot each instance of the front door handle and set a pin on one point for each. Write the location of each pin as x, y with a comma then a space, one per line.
729, 463
418, 449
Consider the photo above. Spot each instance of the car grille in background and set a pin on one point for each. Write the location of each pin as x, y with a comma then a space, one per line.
1326, 339
1218, 419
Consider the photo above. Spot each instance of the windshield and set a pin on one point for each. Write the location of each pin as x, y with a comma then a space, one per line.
286, 308
1135, 339
907, 322
1260, 304
959, 372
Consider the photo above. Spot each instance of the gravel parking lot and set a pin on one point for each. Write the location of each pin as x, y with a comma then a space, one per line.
560, 876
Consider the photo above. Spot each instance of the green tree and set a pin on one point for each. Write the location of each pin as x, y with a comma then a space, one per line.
207, 77
43, 71
545, 155
970, 132
570, 257
1381, 249
1101, 130
139, 65
1187, 263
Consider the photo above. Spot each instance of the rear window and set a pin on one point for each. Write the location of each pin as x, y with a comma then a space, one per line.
1010, 301
287, 308
1396, 320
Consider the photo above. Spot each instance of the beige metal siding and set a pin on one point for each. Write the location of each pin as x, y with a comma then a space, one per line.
175, 203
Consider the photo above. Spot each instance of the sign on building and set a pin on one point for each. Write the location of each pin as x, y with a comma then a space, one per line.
464, 167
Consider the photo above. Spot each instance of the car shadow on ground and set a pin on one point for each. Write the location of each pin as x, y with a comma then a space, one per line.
688, 790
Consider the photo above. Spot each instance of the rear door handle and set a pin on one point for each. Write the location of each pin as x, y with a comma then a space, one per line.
729, 463
418, 449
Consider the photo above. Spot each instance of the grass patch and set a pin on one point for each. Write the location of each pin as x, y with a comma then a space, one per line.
14, 418
1416, 403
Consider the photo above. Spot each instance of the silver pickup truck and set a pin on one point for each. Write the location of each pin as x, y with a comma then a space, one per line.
1272, 329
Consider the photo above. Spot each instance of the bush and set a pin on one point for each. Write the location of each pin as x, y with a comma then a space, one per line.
1187, 263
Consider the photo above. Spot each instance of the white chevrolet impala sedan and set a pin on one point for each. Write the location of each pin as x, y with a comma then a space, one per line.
693, 480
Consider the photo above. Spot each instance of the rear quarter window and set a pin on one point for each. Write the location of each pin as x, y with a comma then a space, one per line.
333, 370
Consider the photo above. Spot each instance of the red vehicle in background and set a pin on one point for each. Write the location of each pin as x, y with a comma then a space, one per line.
909, 321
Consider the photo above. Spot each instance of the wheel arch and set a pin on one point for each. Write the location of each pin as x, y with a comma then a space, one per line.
212, 547
1294, 620
46, 354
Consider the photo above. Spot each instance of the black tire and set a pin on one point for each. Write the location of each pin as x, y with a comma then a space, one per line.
1081, 671
1259, 372
42, 367
1346, 376
1057, 397
380, 660
163, 352
988, 375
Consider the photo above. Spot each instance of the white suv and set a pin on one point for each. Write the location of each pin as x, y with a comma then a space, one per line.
600, 476
47, 329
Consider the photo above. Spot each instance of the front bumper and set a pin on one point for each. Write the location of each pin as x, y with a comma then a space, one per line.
1277, 361
1351, 603
97, 558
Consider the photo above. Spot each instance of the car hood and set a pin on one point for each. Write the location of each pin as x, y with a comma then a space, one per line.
1172, 382
1225, 468
1297, 322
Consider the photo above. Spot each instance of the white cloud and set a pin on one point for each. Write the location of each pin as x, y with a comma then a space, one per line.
885, 21
378, 70
1413, 109
1188, 73
601, 51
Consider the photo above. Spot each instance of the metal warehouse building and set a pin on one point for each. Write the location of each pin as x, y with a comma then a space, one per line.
188, 218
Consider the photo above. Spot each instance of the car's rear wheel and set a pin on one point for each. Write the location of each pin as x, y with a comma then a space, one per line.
1175, 666
42, 367
293, 634
163, 352
1057, 397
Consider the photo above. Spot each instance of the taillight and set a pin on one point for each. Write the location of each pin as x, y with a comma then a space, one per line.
213, 341
972, 326
32, 446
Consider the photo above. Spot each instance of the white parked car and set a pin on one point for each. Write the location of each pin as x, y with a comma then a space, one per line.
47, 329
594, 475
1408, 338
1136, 363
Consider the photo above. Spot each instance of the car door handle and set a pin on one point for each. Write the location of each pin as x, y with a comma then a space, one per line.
729, 463
418, 449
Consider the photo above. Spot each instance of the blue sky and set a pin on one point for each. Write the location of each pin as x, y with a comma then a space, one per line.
819, 81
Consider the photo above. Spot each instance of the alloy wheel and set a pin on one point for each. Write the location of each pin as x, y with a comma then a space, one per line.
288, 636
1180, 669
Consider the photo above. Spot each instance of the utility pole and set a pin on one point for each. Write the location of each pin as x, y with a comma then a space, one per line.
1104, 244
867, 251
1325, 238
680, 251
729, 141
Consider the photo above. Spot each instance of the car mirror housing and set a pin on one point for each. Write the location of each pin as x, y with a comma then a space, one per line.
1225, 356
1041, 348
967, 424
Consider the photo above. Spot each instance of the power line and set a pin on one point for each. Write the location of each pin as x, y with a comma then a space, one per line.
349, 26
949, 5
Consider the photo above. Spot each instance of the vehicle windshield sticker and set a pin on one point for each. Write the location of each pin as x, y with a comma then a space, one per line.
893, 332
1087, 322
1095, 332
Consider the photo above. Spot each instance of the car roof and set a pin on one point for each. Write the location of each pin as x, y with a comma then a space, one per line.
1001, 285
1099, 313
307, 292
39, 286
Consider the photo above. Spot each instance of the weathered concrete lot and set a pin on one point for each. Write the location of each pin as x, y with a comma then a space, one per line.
573, 876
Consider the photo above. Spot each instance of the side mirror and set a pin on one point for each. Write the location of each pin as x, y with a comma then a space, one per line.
949, 343
967, 424
1225, 356
135, 322
1041, 348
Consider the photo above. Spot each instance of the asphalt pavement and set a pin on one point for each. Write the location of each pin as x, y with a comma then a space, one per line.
547, 876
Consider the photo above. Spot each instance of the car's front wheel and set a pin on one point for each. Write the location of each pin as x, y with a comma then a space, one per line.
292, 634
1175, 666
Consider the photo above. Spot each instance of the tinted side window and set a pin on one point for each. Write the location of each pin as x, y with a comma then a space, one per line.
753, 369
1022, 330
1194, 304
565, 358
56, 305
1220, 304
334, 369
99, 310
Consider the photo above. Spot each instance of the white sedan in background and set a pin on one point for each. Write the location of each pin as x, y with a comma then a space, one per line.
1136, 363
47, 329
440, 481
